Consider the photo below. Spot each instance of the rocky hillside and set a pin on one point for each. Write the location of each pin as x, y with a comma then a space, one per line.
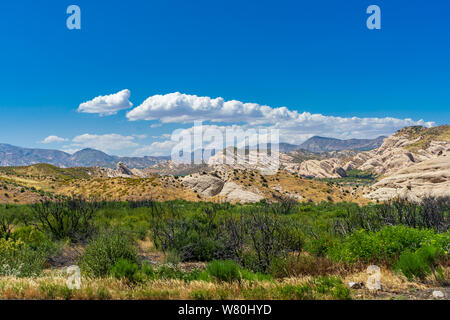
413, 161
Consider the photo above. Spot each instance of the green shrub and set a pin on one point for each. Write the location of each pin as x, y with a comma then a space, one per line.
148, 270
412, 266
36, 240
228, 271
124, 269
102, 253
194, 239
385, 245
20, 260
169, 272
224, 270
418, 264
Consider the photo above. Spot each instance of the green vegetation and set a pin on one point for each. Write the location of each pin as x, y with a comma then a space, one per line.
240, 245
20, 260
425, 136
44, 170
353, 178
385, 245
420, 263
105, 251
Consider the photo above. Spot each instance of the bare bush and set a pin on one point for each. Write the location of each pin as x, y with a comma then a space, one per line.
65, 217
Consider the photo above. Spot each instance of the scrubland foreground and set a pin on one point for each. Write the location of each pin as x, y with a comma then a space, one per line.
200, 250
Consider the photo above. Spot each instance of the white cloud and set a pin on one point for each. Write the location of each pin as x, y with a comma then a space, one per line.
53, 139
156, 149
294, 126
107, 105
140, 136
177, 107
105, 143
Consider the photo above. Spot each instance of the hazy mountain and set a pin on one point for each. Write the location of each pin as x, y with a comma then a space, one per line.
322, 144
90, 158
17, 156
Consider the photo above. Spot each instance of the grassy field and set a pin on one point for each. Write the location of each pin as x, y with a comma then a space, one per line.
201, 250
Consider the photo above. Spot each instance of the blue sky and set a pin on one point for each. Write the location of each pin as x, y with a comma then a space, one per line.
308, 56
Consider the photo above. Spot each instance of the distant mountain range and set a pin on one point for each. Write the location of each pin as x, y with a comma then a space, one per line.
17, 156
322, 144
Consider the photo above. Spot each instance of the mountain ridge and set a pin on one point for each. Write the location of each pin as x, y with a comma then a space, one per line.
17, 156
324, 144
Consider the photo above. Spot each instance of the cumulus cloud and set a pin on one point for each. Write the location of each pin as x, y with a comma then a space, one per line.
294, 126
107, 105
177, 107
53, 139
181, 108
105, 143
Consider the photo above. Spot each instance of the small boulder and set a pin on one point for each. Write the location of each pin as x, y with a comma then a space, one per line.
356, 285
438, 294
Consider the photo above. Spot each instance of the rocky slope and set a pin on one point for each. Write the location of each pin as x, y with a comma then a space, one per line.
427, 178
414, 161
211, 186
404, 149
121, 171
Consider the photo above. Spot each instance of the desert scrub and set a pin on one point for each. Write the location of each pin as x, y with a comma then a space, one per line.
102, 253
385, 245
20, 260
65, 217
36, 240
420, 263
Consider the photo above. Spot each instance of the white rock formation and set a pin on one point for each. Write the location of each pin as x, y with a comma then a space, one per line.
232, 192
205, 184
427, 178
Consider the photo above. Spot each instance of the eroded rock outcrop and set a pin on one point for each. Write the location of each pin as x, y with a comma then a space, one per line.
121, 171
329, 168
402, 150
427, 178
233, 192
205, 184
212, 186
